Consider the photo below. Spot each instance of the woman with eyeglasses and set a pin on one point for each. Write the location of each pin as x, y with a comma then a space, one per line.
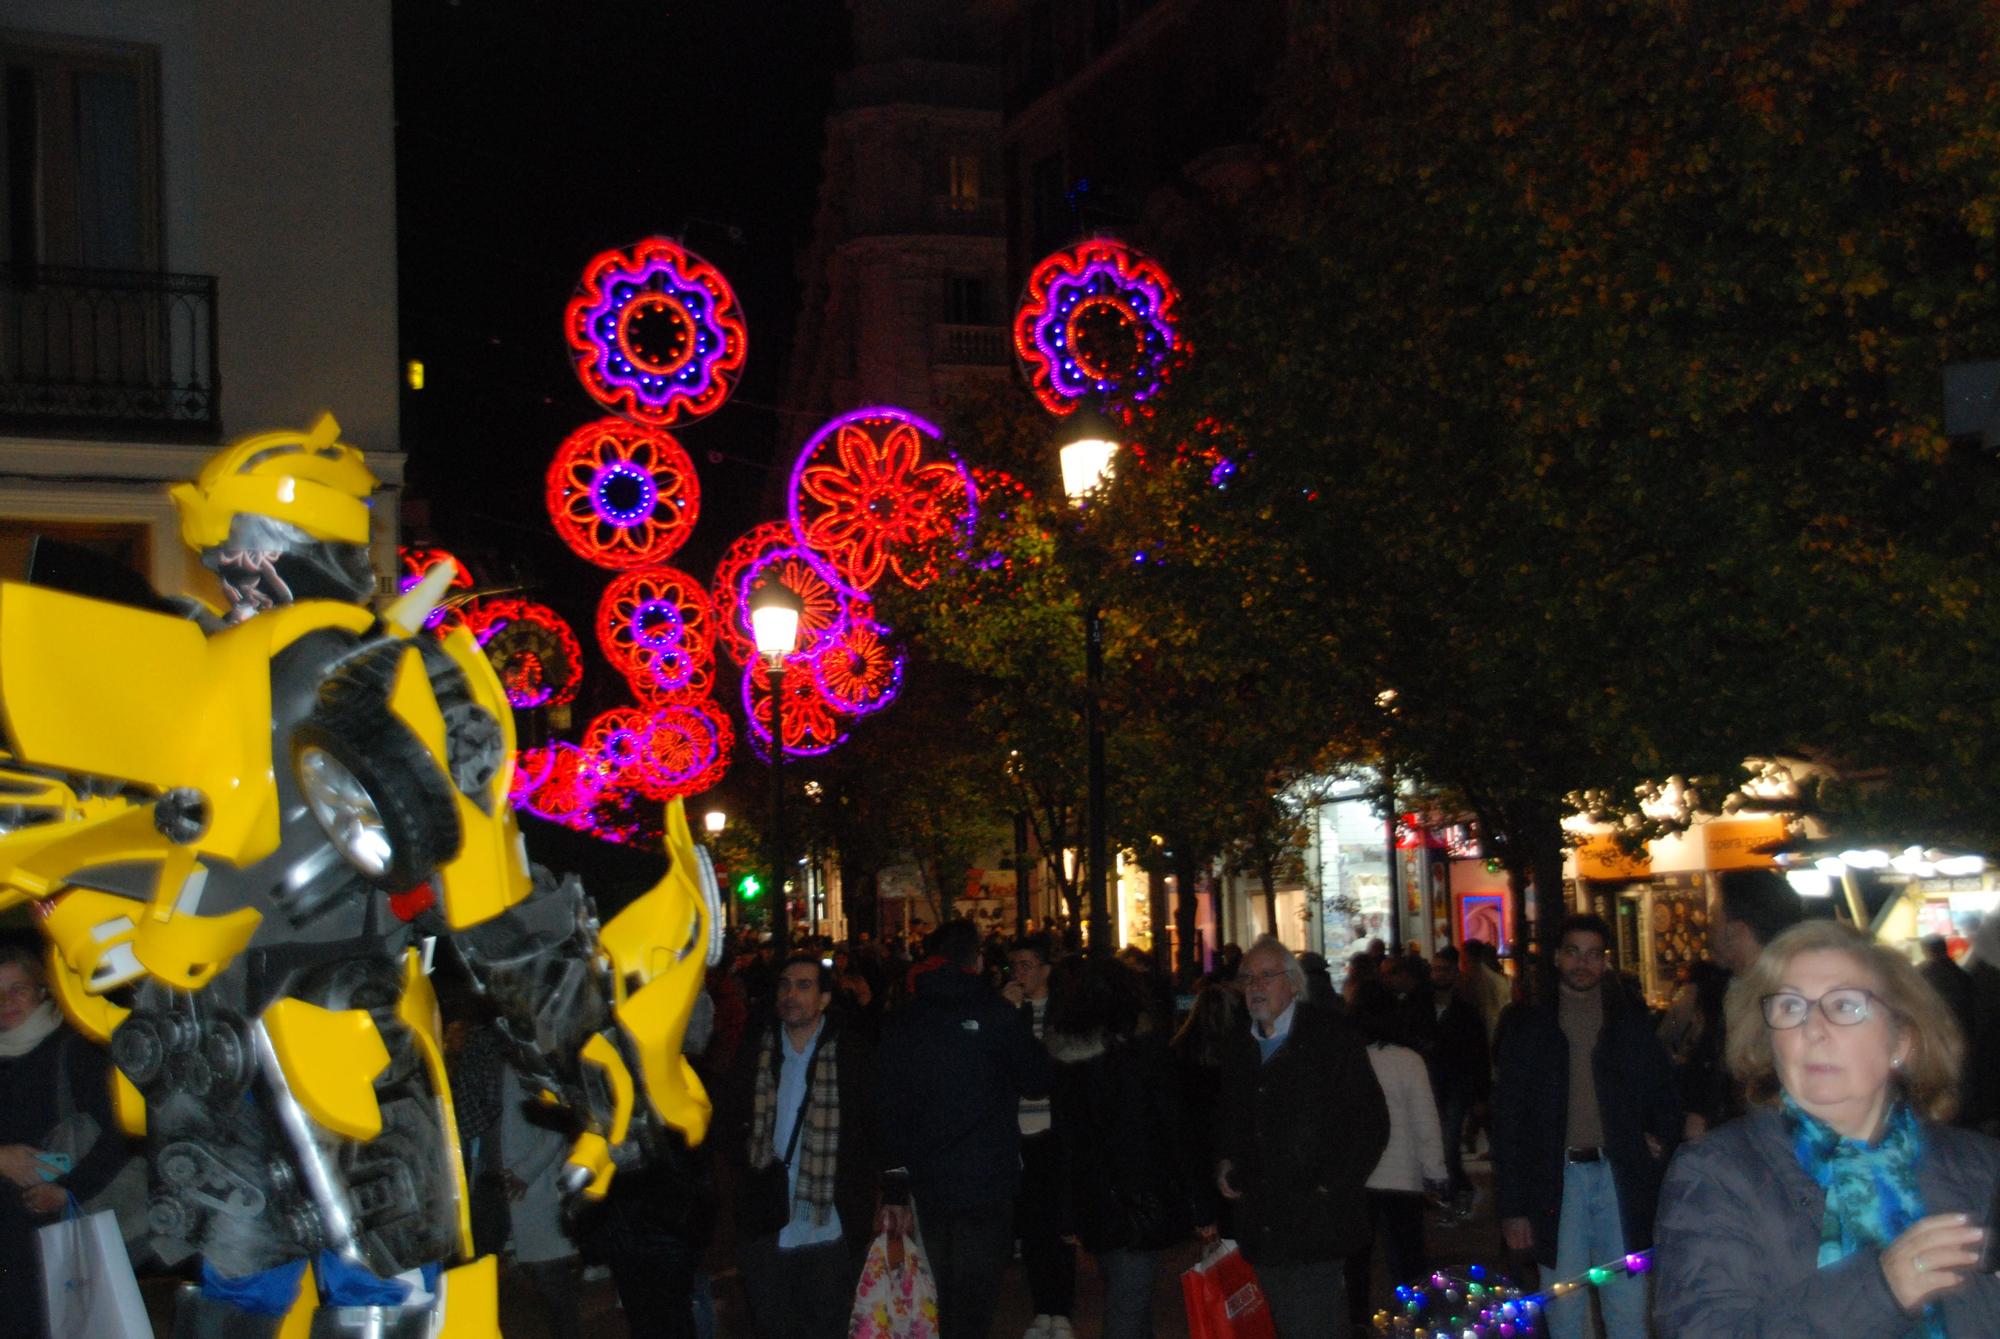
1842, 1204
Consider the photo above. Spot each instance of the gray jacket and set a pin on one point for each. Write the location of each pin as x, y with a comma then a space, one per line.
1737, 1241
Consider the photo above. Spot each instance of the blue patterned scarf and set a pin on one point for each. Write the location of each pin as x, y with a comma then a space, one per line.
1871, 1189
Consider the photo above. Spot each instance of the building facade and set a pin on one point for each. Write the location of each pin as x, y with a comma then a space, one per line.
198, 241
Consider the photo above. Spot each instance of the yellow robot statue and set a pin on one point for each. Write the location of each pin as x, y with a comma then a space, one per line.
248, 830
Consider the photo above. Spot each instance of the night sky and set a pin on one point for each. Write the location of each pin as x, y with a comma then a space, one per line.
532, 136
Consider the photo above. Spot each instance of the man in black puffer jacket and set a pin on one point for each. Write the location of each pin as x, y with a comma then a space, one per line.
1300, 1126
955, 1063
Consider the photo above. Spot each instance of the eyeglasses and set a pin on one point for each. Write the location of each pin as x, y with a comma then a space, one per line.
1846, 1007
1264, 978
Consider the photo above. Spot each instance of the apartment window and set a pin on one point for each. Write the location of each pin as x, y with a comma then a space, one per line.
962, 180
965, 300
79, 154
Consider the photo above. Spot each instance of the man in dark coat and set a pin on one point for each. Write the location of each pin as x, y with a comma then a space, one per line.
1584, 1116
1301, 1124
955, 1063
808, 1072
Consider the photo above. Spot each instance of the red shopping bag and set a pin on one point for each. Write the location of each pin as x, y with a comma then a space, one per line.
1222, 1297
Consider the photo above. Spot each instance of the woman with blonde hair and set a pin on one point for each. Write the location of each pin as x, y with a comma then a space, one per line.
1842, 1204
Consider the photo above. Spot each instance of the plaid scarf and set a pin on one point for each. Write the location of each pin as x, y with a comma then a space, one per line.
816, 1157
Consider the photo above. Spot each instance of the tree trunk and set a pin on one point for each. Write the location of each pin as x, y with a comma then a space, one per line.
1267, 874
1187, 963
1161, 918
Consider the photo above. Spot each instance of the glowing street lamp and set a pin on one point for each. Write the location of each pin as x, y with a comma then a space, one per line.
715, 821
774, 625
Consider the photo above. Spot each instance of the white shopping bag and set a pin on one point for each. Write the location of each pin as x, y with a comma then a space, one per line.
87, 1279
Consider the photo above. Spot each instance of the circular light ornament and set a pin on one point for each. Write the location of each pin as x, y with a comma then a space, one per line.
877, 491
732, 619
657, 623
822, 604
1098, 322
416, 561
812, 726
573, 781
858, 670
655, 332
687, 748
622, 496
617, 739
532, 649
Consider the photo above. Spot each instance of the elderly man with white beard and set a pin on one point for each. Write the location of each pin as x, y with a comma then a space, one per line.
1300, 1125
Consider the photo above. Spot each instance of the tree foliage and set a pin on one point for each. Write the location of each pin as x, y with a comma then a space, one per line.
1582, 388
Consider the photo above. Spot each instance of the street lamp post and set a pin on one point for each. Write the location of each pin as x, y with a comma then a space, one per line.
713, 822
774, 625
1088, 447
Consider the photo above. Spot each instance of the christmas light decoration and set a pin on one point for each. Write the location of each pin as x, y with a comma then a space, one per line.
622, 496
857, 670
617, 739
655, 332
532, 648
1098, 323
687, 748
876, 491
732, 620
417, 560
657, 626
573, 782
823, 606
811, 724
1466, 1304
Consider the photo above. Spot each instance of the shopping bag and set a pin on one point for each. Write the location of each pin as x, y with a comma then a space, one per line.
897, 1297
1222, 1297
87, 1280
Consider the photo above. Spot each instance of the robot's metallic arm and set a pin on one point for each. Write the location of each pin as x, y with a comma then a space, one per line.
596, 1016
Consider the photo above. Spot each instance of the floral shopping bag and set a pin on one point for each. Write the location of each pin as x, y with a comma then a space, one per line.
897, 1297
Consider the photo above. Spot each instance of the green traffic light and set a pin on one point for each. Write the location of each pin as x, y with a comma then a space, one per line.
748, 887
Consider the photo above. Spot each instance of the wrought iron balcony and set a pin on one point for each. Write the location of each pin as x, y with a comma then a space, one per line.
108, 353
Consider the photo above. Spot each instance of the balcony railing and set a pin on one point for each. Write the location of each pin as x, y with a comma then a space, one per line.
111, 353
970, 345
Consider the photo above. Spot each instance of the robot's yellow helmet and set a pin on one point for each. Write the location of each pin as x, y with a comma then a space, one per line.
311, 480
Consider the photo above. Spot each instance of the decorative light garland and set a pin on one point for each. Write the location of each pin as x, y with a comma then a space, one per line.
877, 491
1468, 1305
1098, 322
531, 647
655, 332
622, 496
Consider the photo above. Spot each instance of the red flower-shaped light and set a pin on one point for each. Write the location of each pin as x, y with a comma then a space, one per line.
622, 496
876, 491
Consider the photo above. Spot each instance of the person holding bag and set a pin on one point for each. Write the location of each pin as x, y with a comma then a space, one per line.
806, 1192
1128, 1158
51, 1081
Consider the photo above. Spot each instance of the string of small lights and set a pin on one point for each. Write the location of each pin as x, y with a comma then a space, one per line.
1467, 1304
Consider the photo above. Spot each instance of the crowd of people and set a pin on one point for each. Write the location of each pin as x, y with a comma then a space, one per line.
1802, 1138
